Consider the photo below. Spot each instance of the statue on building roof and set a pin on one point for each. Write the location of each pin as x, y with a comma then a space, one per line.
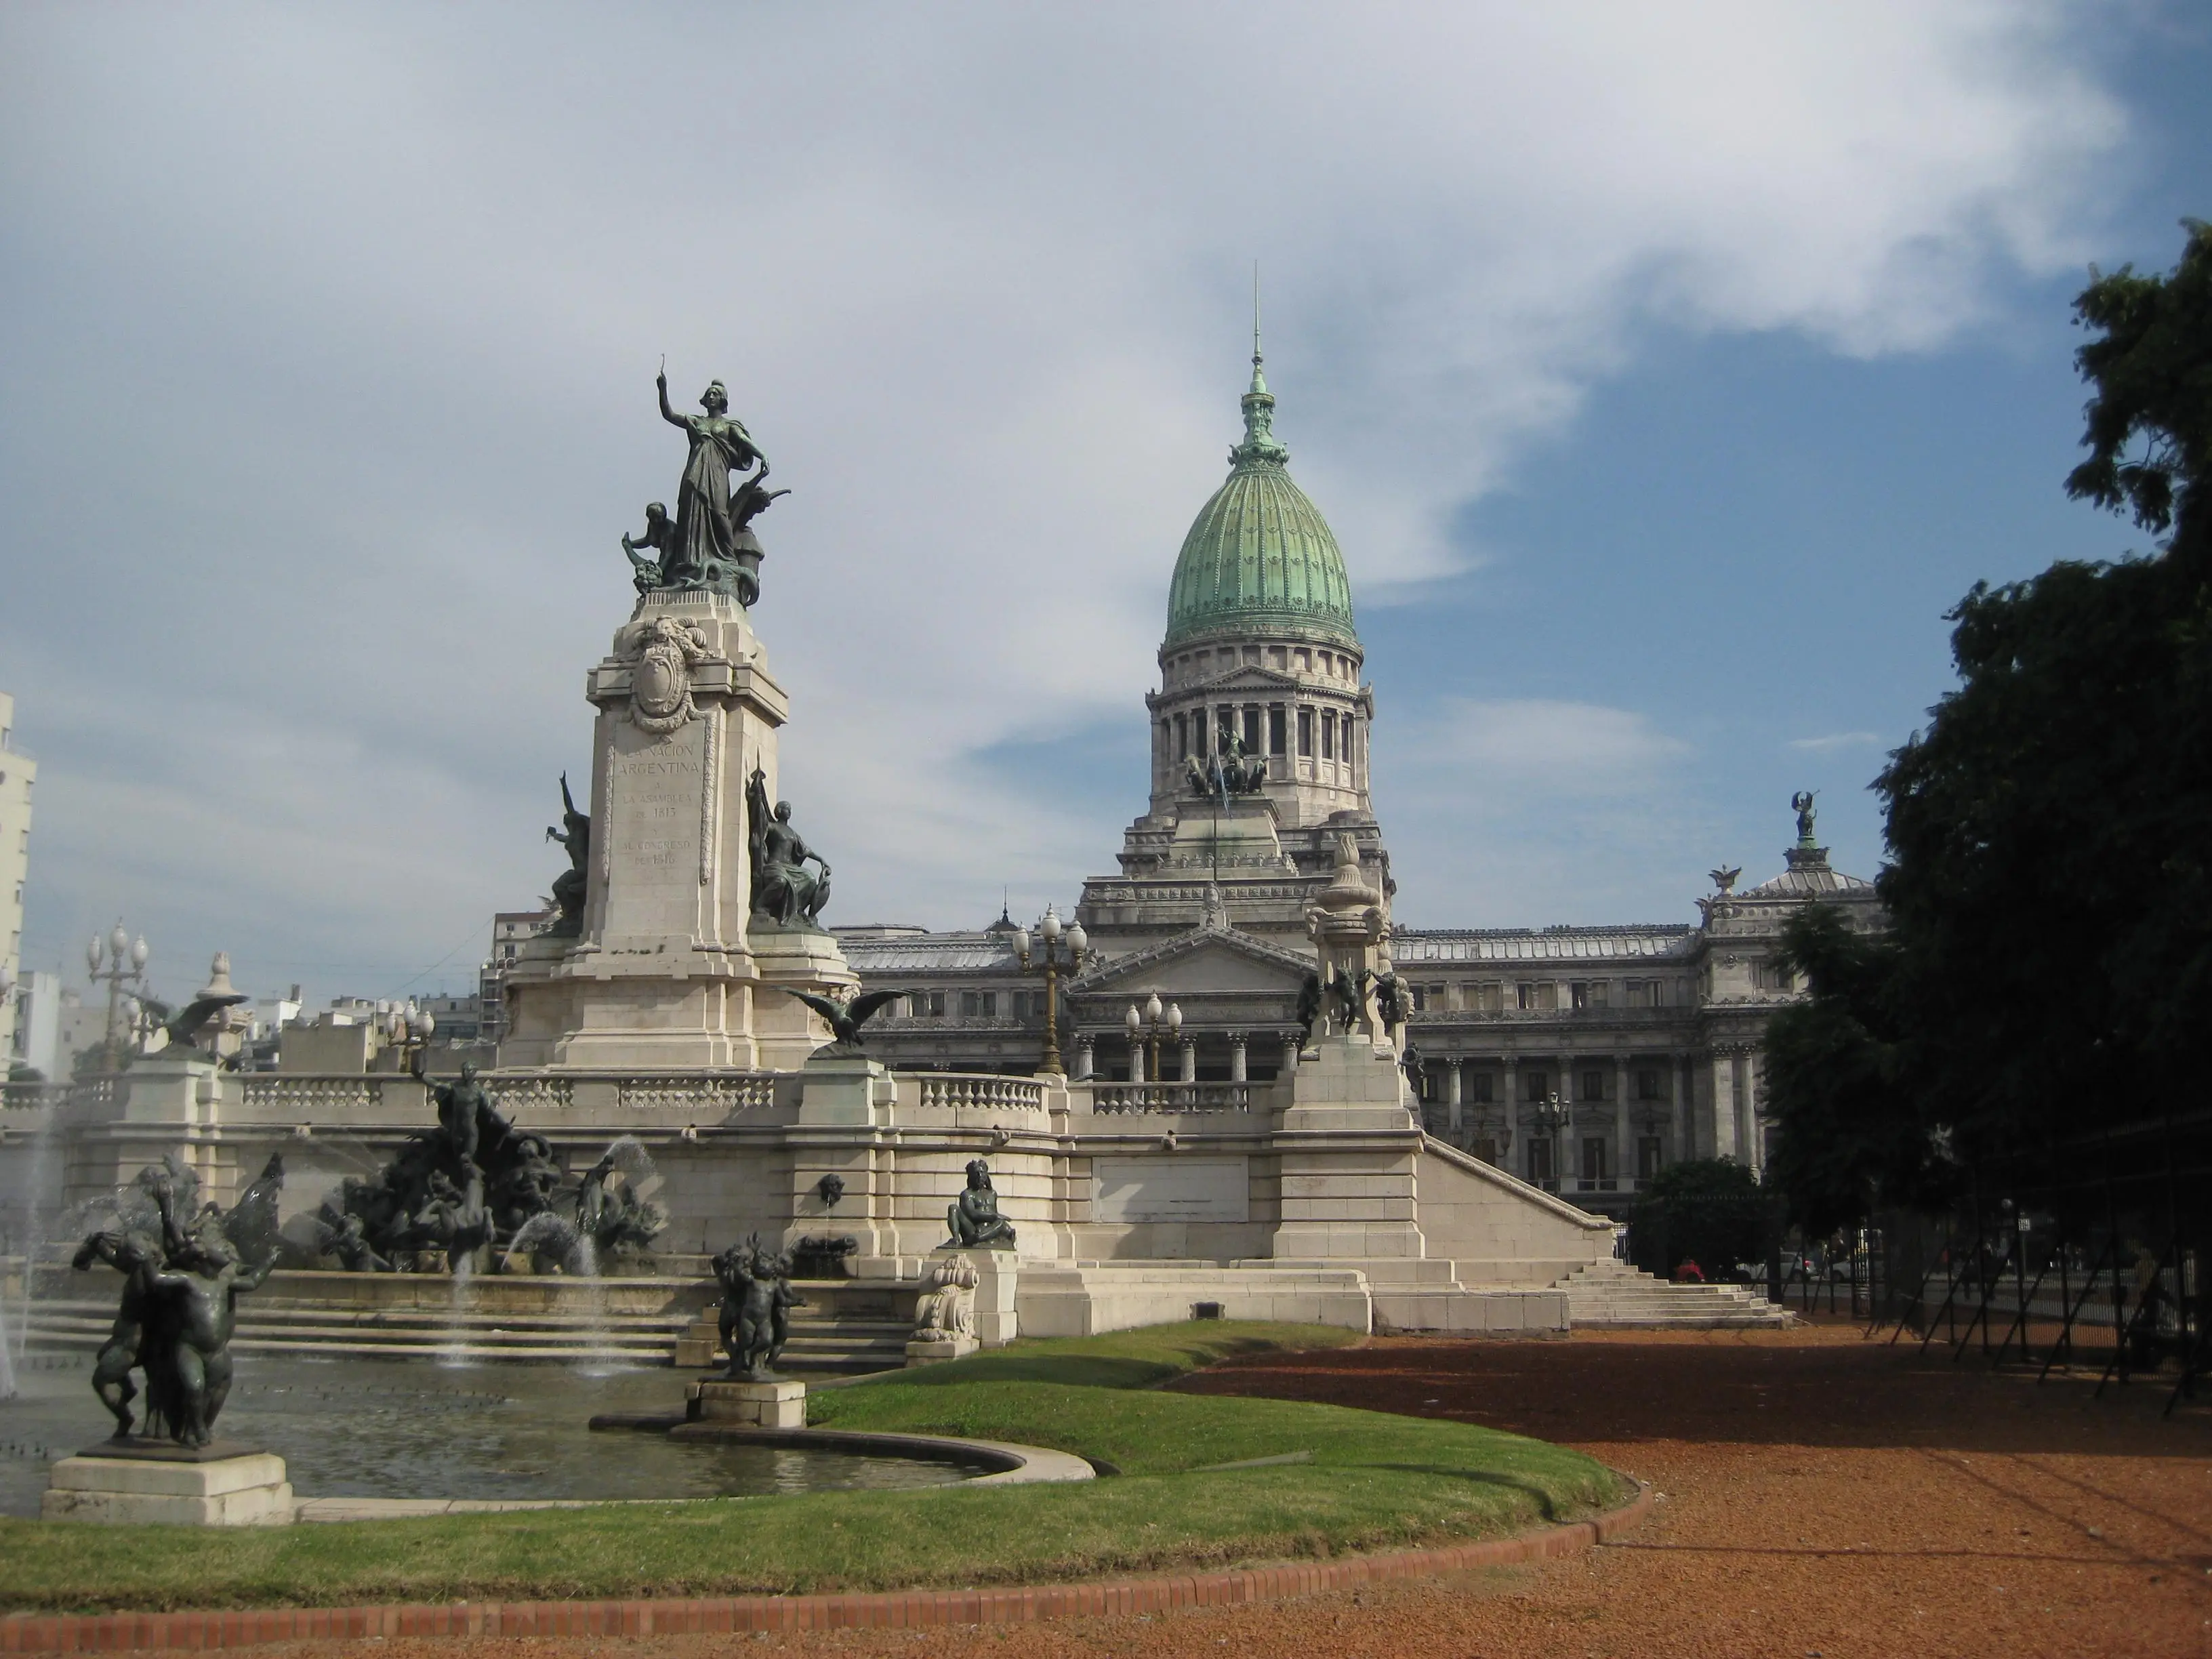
1391, 1000
1309, 1001
1231, 769
1801, 803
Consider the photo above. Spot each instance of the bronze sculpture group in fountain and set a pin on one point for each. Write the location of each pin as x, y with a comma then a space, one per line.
475, 1191
757, 1304
181, 1281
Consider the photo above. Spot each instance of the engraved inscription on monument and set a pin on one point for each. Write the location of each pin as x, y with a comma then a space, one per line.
1171, 1189
654, 788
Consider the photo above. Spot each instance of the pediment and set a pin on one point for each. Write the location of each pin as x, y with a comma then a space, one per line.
1246, 677
1205, 962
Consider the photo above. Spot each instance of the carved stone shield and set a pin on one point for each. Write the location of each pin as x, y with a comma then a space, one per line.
661, 681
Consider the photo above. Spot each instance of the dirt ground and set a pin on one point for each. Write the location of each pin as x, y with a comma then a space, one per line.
1822, 1495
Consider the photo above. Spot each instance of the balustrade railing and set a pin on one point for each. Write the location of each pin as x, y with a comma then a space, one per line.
554, 1094
1171, 1097
35, 1096
306, 1095
749, 1092
955, 1089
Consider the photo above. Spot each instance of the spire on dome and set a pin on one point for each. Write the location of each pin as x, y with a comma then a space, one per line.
1260, 443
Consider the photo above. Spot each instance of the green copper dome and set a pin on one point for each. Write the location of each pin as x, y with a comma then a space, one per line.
1260, 558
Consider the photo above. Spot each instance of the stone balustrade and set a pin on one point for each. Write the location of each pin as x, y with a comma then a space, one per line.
1171, 1097
965, 1089
721, 1094
307, 1097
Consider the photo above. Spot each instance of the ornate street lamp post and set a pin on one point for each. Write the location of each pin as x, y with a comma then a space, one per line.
1146, 1029
1653, 1120
1547, 1119
1060, 955
125, 964
407, 1029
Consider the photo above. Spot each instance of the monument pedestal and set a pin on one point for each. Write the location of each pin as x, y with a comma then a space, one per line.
795, 959
754, 1405
1348, 1148
139, 1482
997, 1274
664, 974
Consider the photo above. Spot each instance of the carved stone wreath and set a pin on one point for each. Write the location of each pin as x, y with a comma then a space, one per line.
660, 682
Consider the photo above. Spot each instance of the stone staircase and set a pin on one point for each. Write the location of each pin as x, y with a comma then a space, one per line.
275, 1327
1613, 1294
835, 1341
846, 1325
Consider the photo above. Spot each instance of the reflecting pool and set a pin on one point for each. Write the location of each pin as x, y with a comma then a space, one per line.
368, 1428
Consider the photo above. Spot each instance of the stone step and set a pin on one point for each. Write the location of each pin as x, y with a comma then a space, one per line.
1613, 1293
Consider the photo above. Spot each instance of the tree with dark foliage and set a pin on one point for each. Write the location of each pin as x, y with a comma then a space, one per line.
2050, 885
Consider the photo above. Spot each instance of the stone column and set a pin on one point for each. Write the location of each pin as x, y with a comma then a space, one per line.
1754, 1138
1683, 1082
1727, 1091
1236, 1060
1290, 1061
1084, 1058
1454, 1120
1188, 1070
1624, 1172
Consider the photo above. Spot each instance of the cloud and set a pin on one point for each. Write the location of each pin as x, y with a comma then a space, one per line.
1836, 740
331, 336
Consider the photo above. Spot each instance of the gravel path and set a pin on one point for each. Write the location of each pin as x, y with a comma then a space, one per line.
1823, 1495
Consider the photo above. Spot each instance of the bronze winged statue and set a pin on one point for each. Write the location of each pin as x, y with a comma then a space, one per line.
197, 1012
846, 1019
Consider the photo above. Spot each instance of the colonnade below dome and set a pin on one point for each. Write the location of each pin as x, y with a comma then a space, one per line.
1298, 705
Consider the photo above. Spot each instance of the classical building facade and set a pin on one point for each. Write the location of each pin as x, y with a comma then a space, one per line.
1581, 1058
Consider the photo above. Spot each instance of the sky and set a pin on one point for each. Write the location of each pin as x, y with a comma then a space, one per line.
1666, 373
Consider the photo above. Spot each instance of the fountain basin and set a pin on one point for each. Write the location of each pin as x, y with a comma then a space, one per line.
473, 1435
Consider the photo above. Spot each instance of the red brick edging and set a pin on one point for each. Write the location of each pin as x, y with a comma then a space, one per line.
885, 1610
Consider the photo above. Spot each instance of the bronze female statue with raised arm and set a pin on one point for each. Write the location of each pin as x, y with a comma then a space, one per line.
704, 545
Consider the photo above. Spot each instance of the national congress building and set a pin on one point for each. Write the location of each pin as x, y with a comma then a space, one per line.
1582, 1059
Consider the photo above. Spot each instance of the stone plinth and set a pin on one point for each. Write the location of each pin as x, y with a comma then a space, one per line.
757, 1405
846, 1090
139, 1483
998, 1273
935, 1348
795, 959
1348, 1148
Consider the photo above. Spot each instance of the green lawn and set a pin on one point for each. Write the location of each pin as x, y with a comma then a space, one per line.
1372, 1480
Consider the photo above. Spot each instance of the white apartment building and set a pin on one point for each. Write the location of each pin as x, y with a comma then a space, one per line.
18, 772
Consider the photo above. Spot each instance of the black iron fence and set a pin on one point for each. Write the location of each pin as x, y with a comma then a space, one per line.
2087, 1256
